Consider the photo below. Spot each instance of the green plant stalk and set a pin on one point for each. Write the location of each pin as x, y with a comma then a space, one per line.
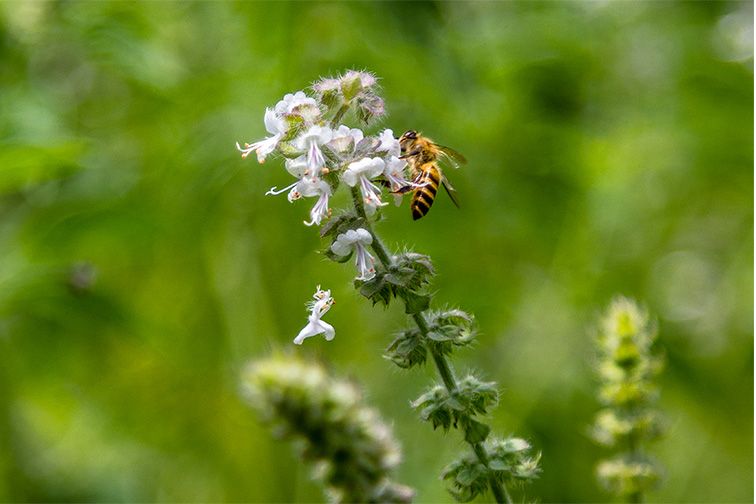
498, 489
633, 442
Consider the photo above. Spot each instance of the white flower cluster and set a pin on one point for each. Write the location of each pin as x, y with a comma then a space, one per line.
320, 152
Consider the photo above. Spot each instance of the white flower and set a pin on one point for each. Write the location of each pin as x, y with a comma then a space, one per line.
394, 174
361, 172
276, 127
389, 143
320, 210
310, 141
345, 139
298, 168
291, 102
318, 308
357, 239
307, 186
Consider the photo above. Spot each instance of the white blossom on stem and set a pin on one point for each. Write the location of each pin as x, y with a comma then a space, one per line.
394, 174
345, 139
357, 239
308, 185
321, 304
389, 143
298, 168
360, 173
310, 141
277, 127
320, 210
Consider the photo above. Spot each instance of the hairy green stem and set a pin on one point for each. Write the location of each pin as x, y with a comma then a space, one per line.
498, 489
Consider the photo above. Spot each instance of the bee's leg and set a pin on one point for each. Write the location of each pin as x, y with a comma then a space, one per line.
404, 189
411, 154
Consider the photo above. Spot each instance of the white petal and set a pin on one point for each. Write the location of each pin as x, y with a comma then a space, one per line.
297, 167
364, 236
328, 330
368, 167
340, 248
311, 329
265, 147
395, 166
389, 143
352, 236
273, 123
350, 177
375, 168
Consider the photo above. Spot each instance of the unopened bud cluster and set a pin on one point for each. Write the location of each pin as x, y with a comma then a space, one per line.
352, 452
627, 368
509, 462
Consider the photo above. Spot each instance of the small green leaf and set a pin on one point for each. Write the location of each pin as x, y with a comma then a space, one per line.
454, 404
371, 287
476, 432
498, 465
340, 223
465, 476
415, 303
335, 257
437, 336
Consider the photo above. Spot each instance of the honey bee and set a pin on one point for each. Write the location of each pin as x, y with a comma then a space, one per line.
423, 156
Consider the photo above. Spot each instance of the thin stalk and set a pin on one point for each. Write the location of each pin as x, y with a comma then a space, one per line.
339, 115
445, 370
633, 442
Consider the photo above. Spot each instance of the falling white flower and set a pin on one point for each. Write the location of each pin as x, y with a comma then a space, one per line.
310, 141
276, 127
389, 143
356, 239
321, 304
361, 172
345, 139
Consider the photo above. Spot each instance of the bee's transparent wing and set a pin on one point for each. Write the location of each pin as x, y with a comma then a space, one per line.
450, 190
453, 156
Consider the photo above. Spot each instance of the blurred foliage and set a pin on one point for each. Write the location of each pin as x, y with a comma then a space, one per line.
610, 150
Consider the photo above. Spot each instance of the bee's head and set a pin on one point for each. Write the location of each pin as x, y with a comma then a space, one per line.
407, 139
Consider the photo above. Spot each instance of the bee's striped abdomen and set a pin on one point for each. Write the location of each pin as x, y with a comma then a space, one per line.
423, 197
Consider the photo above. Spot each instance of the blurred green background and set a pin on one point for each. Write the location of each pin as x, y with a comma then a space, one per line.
610, 150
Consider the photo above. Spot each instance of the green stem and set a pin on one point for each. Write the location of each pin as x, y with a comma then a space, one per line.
633, 442
442, 365
339, 115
